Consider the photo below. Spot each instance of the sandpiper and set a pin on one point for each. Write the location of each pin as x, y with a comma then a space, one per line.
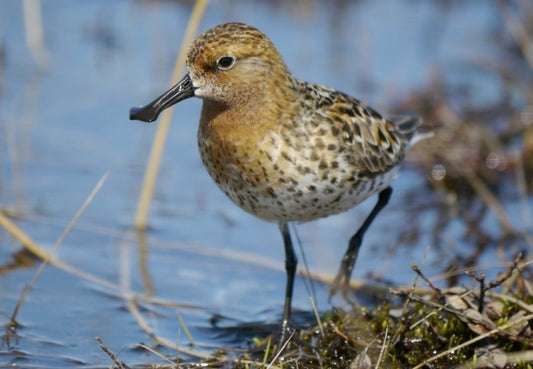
283, 149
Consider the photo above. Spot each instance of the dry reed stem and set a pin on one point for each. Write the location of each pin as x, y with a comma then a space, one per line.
158, 145
29, 286
34, 33
27, 242
144, 269
45, 255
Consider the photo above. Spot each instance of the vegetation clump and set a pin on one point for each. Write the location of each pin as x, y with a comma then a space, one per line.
489, 325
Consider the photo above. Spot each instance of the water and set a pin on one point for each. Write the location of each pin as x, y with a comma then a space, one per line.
62, 128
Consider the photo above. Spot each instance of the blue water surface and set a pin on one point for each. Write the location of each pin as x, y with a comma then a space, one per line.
63, 127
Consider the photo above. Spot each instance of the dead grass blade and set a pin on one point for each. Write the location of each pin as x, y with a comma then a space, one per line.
158, 354
384, 348
29, 286
308, 282
185, 328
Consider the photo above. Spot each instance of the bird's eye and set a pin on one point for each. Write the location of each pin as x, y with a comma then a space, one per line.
225, 62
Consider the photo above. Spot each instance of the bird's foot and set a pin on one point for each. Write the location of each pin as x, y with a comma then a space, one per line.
284, 336
281, 340
338, 283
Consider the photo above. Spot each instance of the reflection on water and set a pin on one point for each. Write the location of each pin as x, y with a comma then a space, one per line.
63, 126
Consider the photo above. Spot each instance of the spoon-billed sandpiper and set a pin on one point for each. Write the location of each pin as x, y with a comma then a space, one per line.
283, 149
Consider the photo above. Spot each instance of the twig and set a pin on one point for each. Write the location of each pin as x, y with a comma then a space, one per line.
438, 306
466, 269
412, 291
418, 271
481, 280
118, 363
337, 331
494, 283
507, 275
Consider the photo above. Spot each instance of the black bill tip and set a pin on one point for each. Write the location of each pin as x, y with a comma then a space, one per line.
144, 113
148, 113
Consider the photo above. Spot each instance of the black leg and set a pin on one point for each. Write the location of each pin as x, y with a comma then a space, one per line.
290, 267
348, 261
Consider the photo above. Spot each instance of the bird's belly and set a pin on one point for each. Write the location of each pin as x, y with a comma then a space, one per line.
283, 193
301, 204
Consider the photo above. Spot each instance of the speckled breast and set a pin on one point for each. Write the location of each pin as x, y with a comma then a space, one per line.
280, 182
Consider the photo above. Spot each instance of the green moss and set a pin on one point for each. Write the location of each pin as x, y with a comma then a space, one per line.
405, 333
